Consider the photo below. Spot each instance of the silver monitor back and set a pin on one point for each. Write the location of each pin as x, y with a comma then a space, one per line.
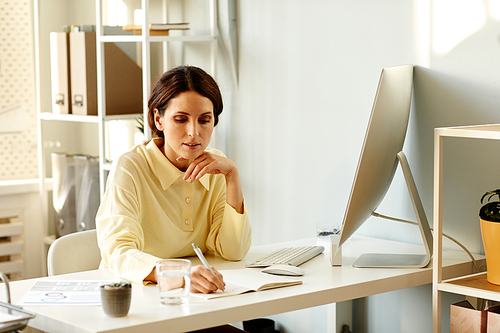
379, 159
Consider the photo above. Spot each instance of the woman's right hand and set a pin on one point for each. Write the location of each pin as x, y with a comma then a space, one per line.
203, 281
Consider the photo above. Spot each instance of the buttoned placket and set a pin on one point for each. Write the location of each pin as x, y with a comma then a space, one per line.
187, 211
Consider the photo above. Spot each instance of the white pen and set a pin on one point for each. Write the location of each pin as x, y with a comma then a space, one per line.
200, 255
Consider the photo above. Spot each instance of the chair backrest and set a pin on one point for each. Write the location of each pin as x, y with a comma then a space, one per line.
74, 252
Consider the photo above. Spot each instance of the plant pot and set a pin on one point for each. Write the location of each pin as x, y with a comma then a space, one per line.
491, 242
116, 300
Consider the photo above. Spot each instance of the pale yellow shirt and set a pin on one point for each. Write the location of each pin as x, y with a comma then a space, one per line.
150, 213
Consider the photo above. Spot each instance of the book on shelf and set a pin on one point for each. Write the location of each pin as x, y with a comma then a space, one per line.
158, 26
240, 281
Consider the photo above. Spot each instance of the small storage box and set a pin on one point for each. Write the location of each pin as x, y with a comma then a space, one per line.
465, 318
493, 325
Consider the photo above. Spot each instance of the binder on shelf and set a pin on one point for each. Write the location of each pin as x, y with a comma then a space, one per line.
76, 195
60, 75
63, 170
83, 71
87, 196
123, 80
122, 77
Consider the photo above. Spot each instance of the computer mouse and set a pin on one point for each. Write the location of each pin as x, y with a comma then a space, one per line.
284, 270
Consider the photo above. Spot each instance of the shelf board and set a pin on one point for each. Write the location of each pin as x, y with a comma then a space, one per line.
139, 38
474, 285
9, 187
69, 117
86, 119
107, 166
477, 131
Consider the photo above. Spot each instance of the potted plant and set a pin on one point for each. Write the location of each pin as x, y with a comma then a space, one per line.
116, 297
489, 215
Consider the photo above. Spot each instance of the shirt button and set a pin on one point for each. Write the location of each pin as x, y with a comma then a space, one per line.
188, 200
187, 221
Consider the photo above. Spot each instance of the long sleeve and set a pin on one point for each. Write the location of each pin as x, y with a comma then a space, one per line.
230, 234
121, 237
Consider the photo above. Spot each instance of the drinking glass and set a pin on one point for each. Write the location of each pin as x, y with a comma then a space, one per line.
174, 280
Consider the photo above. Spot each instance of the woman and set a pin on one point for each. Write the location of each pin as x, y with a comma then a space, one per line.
163, 195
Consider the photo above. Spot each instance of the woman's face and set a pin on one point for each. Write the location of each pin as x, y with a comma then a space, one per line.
187, 124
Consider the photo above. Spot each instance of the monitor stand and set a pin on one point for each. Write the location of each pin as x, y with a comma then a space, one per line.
386, 260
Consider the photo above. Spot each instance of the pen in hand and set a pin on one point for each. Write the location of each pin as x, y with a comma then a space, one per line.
204, 261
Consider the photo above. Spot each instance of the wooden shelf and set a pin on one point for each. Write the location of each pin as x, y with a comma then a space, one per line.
474, 285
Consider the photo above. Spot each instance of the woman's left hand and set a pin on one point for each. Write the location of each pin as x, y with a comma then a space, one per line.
208, 163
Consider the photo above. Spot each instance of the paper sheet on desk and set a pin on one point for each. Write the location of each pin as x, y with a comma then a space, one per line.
64, 293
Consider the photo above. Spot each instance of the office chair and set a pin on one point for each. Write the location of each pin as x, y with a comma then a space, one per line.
74, 252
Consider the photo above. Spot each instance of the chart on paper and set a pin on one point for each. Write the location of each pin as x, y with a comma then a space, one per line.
58, 292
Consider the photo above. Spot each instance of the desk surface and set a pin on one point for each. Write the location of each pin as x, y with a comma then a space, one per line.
322, 284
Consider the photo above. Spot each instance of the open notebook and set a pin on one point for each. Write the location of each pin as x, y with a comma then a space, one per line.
240, 281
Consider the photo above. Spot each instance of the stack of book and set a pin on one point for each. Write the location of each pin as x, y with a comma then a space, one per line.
157, 29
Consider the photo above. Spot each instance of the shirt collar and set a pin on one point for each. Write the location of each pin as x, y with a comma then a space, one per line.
165, 171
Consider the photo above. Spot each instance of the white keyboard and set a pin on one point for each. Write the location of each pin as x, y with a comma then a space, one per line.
293, 256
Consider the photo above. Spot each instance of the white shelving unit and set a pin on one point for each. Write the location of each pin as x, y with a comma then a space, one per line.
145, 39
474, 285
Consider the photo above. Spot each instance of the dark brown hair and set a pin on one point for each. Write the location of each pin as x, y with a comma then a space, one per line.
178, 80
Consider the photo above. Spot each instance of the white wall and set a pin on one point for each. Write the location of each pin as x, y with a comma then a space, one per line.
306, 88
308, 72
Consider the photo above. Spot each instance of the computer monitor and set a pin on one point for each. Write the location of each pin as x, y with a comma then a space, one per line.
380, 155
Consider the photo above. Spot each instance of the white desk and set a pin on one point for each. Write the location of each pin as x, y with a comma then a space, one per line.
322, 284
